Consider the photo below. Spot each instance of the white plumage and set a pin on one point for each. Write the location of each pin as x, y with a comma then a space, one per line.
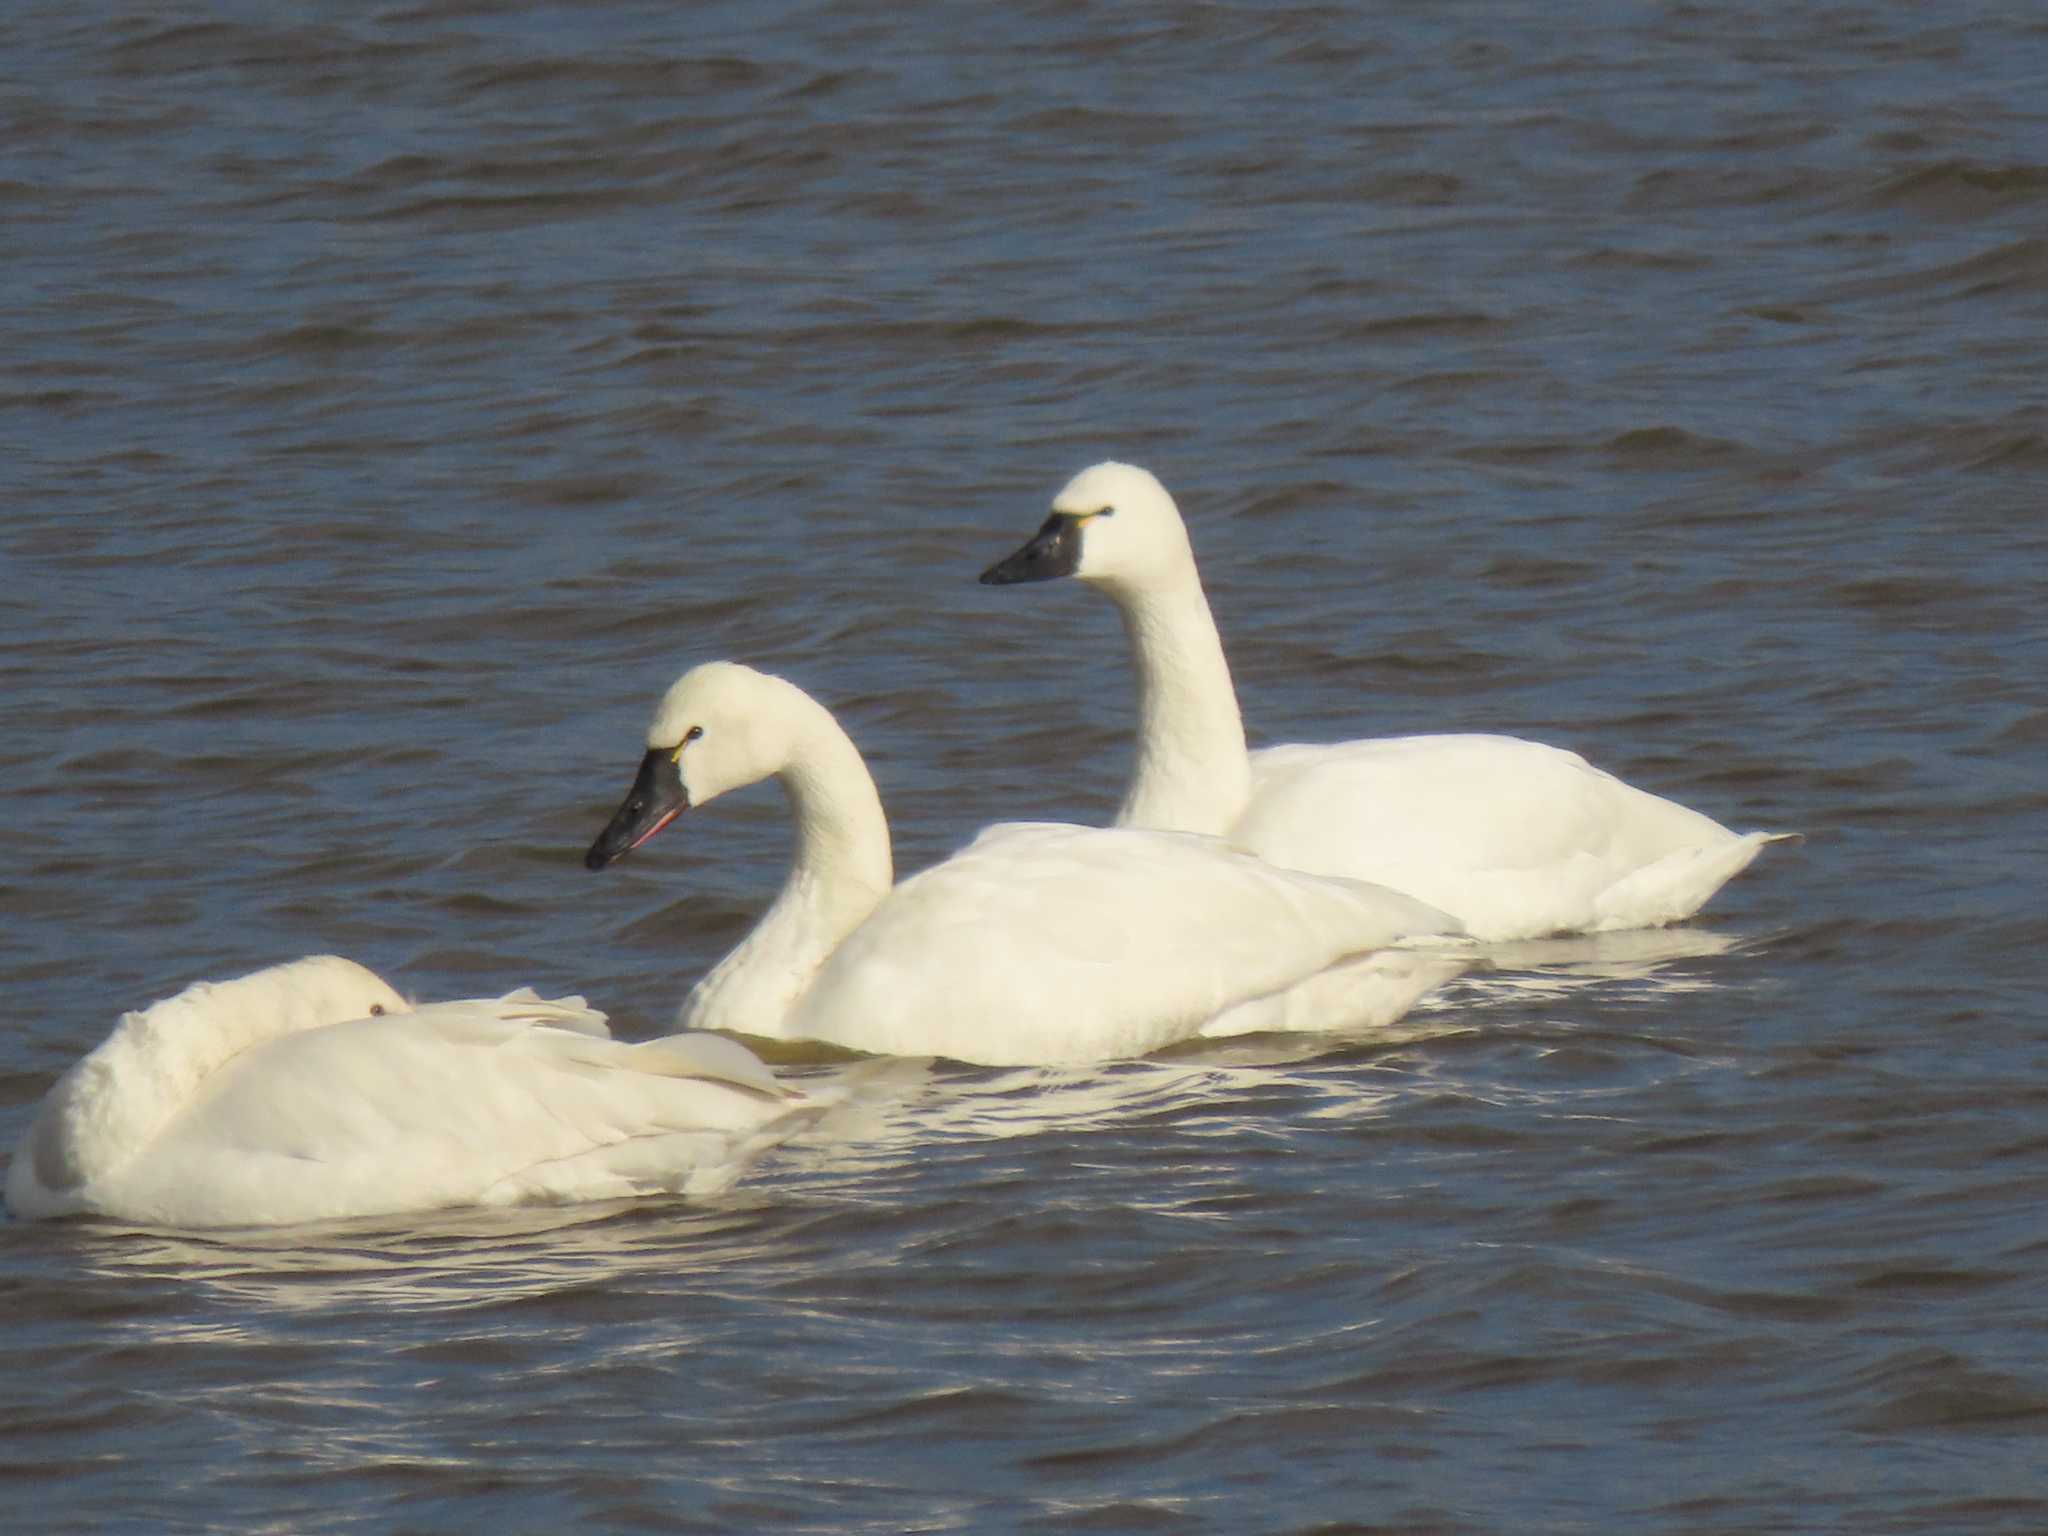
1042, 943
1034, 944
313, 1091
1515, 838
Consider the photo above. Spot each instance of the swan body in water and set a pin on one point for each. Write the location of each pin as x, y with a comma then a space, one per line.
312, 1091
1517, 839
1035, 944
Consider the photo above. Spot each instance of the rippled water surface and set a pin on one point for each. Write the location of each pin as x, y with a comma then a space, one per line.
392, 404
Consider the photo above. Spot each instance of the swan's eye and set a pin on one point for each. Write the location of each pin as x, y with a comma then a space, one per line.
689, 736
1104, 512
376, 1010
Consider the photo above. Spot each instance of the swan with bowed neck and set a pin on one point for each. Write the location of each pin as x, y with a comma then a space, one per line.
1517, 839
1035, 944
312, 1091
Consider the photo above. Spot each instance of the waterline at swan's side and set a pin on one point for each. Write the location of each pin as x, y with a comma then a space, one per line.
1517, 839
313, 1091
1035, 944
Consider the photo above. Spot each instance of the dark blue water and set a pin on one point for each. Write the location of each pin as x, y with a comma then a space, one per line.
392, 404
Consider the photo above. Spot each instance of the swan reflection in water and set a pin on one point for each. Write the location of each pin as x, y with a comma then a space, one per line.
873, 1149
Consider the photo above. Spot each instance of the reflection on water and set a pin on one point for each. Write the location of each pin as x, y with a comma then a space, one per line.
867, 1148
1644, 963
446, 1261
883, 1115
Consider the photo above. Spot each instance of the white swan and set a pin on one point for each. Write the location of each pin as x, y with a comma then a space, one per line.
1517, 839
1035, 944
312, 1091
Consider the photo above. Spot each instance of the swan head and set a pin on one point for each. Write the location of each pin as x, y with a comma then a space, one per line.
1112, 524
111, 1102
326, 989
720, 726
300, 994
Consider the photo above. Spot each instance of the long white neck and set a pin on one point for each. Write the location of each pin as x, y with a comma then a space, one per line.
1192, 773
840, 873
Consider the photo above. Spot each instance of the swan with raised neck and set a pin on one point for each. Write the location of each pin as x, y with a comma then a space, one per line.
1035, 944
1119, 531
1516, 838
722, 726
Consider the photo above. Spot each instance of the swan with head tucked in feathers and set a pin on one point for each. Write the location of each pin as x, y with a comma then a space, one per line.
1515, 838
1035, 944
312, 1091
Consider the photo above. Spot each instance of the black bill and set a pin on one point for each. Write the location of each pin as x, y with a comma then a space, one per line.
1055, 550
656, 799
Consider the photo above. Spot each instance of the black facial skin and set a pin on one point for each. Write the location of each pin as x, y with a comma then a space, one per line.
1055, 550
656, 798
